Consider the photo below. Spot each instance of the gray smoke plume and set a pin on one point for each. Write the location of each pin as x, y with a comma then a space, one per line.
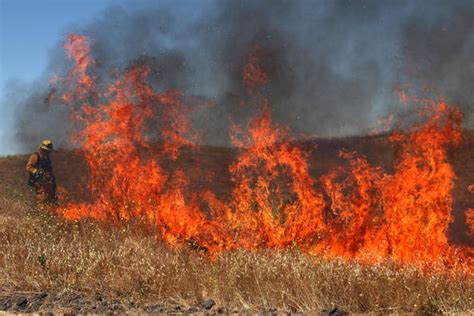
333, 65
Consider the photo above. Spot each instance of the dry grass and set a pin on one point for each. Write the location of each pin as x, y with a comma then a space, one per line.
41, 253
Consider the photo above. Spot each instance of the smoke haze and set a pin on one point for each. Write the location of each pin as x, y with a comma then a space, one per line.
333, 65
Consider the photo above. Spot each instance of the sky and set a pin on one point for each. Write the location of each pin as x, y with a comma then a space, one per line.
29, 29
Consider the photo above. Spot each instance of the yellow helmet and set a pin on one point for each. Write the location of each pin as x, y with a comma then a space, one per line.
47, 145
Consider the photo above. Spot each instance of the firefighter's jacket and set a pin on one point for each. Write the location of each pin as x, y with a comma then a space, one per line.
40, 162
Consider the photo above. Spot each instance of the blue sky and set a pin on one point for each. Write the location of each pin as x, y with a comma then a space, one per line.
28, 30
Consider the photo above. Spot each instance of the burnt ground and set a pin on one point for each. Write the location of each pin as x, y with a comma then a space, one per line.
72, 303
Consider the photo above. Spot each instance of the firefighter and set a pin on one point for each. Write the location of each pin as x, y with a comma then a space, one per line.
41, 177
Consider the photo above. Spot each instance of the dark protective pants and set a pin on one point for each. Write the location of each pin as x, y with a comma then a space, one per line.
45, 192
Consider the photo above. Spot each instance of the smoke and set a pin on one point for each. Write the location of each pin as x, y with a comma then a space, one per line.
439, 55
333, 64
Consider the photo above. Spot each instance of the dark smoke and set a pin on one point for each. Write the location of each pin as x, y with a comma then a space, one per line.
439, 55
333, 64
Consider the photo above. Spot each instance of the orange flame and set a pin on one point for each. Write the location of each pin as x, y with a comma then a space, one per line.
254, 74
355, 211
124, 185
470, 220
78, 80
417, 199
274, 201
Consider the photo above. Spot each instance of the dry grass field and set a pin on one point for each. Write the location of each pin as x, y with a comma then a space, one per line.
49, 264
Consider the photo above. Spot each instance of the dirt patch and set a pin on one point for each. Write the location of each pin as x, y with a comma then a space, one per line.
76, 303
71, 303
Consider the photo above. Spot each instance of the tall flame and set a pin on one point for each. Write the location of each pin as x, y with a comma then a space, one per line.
354, 211
274, 201
79, 81
417, 199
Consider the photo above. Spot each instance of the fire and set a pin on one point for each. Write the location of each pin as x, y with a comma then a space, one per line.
79, 82
274, 201
125, 186
354, 211
254, 74
354, 214
417, 199
470, 220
